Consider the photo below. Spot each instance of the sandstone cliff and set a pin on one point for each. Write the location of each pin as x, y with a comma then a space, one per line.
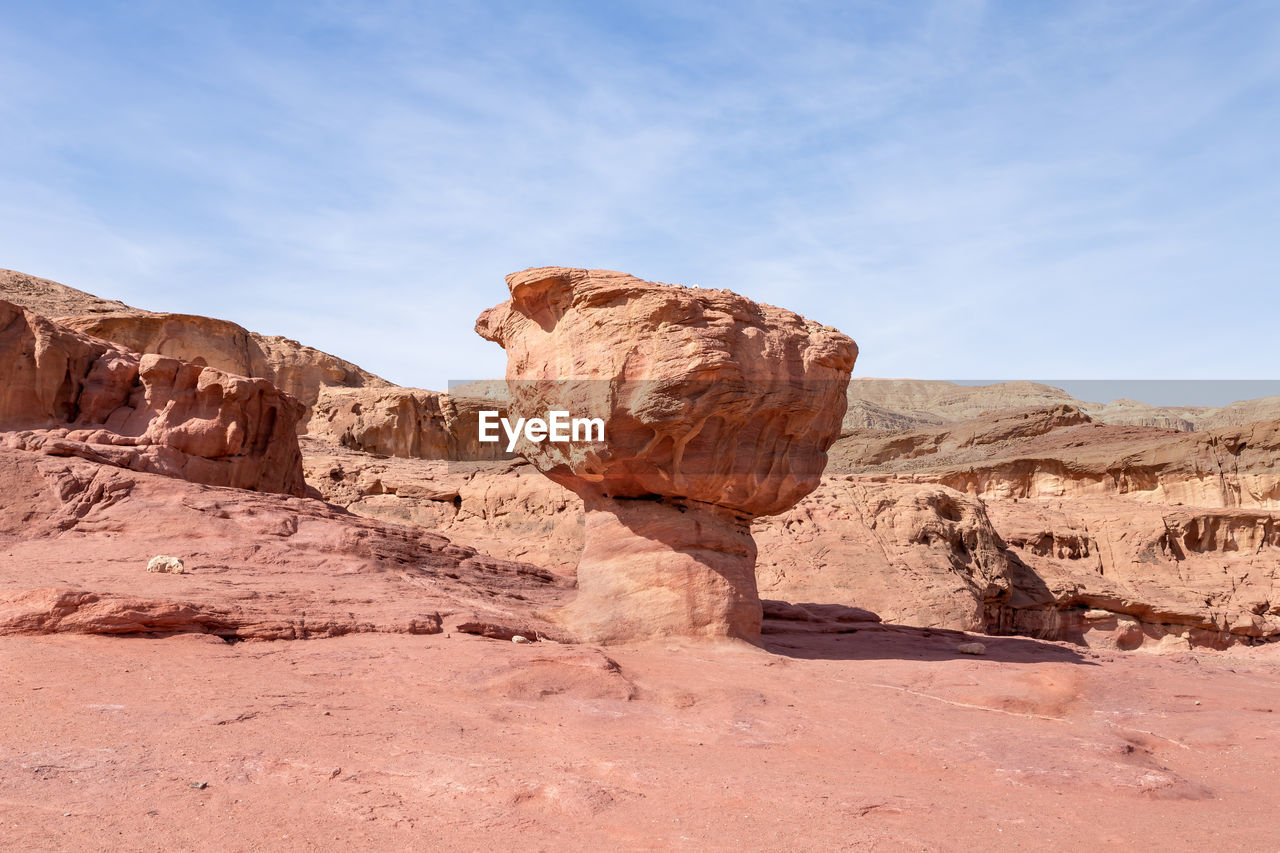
298, 370
407, 422
1125, 536
68, 394
915, 403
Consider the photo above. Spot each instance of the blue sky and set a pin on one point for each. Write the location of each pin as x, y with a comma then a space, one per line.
1019, 189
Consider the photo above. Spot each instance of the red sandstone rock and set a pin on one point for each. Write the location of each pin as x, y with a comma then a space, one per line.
716, 409
1124, 537
76, 538
408, 422
915, 554
67, 394
298, 370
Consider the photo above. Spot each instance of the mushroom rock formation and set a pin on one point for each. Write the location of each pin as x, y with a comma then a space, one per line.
716, 410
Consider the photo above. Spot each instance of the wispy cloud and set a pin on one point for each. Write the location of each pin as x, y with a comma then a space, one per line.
969, 189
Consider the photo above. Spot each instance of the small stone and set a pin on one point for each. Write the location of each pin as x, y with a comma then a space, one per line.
520, 638
971, 649
199, 786
166, 565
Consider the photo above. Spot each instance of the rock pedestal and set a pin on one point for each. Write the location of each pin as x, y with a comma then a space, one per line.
656, 568
716, 410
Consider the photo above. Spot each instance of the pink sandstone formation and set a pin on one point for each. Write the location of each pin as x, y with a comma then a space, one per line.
407, 422
1121, 536
68, 394
717, 410
76, 537
298, 370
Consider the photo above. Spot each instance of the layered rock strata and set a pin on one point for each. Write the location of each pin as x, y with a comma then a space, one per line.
63, 393
408, 422
716, 410
298, 370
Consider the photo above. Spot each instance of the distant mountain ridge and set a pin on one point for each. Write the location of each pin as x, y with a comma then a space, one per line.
914, 403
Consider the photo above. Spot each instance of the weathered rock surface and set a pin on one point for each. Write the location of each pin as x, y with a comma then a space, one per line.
914, 554
927, 402
859, 449
716, 410
506, 509
75, 536
406, 422
298, 370
915, 551
1121, 536
1226, 467
68, 394
51, 299
1121, 574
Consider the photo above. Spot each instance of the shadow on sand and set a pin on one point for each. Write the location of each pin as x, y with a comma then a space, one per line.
835, 632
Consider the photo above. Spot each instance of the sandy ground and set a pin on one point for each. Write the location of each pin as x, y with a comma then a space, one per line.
882, 739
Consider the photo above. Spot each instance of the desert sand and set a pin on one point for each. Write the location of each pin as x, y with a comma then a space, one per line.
368, 637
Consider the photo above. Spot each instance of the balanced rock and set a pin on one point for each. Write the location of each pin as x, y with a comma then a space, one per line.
715, 410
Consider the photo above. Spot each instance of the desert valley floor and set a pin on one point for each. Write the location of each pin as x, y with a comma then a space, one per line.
362, 649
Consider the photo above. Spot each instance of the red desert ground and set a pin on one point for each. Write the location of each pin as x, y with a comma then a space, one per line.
253, 597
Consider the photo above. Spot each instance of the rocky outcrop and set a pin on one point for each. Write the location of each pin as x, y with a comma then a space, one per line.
77, 535
1112, 573
716, 410
406, 422
68, 394
925, 402
1126, 537
914, 554
298, 370
859, 449
916, 403
506, 509
51, 299
1228, 467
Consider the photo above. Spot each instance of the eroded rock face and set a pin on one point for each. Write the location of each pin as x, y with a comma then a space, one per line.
717, 410
63, 393
77, 536
1116, 536
406, 422
915, 554
298, 370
